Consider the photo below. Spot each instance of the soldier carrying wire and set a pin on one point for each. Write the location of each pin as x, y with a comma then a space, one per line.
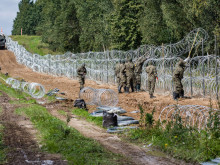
81, 71
177, 78
152, 76
129, 68
137, 72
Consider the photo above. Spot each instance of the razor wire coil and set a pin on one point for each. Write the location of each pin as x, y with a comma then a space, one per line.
36, 90
99, 97
191, 115
200, 77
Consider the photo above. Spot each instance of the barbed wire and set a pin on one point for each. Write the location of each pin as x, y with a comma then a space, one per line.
191, 115
199, 78
99, 97
36, 90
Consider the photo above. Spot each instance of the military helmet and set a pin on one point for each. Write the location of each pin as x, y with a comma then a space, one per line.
123, 61
120, 61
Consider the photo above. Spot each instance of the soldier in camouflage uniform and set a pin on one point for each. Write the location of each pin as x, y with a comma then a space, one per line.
152, 75
81, 71
117, 74
177, 77
122, 76
137, 72
129, 69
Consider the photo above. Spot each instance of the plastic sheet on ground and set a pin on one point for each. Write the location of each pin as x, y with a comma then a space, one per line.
127, 122
124, 118
120, 129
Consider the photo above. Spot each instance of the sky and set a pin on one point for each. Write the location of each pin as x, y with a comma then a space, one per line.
8, 12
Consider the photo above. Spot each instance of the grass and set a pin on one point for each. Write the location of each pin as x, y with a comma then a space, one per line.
60, 138
85, 115
34, 44
2, 147
181, 142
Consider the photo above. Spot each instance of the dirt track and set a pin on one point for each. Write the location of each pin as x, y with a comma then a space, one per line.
20, 138
71, 87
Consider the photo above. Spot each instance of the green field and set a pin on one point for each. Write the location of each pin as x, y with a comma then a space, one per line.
34, 44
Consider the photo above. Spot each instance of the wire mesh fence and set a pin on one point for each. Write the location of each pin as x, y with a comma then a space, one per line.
200, 79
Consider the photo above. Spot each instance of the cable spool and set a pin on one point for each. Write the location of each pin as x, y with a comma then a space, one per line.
99, 97
191, 115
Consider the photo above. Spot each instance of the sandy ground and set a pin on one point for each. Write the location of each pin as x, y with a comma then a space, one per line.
129, 101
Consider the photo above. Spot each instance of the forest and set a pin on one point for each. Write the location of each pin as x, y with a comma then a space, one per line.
99, 25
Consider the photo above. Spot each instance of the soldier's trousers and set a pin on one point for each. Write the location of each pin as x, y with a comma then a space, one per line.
81, 82
151, 85
178, 86
130, 81
122, 81
137, 79
118, 80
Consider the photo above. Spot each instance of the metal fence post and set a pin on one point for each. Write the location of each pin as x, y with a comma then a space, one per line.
172, 76
216, 67
203, 70
107, 64
190, 69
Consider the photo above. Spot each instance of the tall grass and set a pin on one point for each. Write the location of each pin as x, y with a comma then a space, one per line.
34, 44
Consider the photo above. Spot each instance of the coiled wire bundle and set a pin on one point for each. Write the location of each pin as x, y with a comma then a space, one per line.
191, 115
99, 97
34, 89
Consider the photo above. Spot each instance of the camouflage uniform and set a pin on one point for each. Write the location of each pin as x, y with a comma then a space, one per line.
117, 74
81, 71
122, 76
177, 77
137, 72
129, 69
152, 75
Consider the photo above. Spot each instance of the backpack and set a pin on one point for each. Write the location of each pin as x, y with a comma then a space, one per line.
80, 103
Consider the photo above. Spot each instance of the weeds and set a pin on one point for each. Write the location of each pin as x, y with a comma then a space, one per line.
59, 138
179, 140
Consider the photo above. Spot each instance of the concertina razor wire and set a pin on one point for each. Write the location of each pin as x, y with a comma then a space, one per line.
194, 116
36, 90
199, 78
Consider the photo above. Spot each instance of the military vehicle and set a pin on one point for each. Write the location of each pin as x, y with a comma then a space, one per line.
2, 42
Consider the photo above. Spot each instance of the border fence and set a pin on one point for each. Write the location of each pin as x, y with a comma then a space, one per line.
200, 78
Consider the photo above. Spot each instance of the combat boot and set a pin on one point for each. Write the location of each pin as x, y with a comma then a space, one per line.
138, 88
182, 94
119, 89
152, 96
127, 90
176, 96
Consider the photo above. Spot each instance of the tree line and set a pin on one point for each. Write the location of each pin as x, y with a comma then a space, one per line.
98, 25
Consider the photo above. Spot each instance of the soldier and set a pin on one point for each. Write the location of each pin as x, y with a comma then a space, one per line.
129, 69
117, 74
152, 75
177, 77
81, 71
122, 76
137, 72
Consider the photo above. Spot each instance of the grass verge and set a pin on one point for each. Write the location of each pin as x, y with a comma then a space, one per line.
180, 141
2, 147
34, 44
59, 138
85, 115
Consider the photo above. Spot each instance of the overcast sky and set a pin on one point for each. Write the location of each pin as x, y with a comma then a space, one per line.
8, 12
